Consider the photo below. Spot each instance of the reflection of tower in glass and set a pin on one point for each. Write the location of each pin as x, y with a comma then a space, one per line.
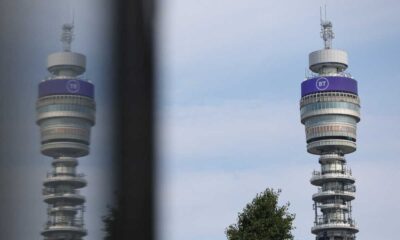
330, 111
65, 114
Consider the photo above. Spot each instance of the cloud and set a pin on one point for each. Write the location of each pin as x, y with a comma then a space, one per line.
247, 132
190, 30
200, 205
229, 118
376, 206
228, 49
216, 157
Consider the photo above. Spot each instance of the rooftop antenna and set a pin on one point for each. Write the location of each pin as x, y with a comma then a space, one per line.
67, 36
73, 17
326, 30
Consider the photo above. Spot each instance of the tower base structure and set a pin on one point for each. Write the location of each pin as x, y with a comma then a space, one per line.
335, 192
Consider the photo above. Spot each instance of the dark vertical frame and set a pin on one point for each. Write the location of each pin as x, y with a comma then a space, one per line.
135, 104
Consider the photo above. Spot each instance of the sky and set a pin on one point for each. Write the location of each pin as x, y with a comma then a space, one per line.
228, 111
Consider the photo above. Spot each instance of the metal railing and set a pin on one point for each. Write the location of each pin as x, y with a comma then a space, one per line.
344, 189
77, 222
339, 74
333, 201
80, 77
55, 174
52, 191
324, 220
343, 171
333, 205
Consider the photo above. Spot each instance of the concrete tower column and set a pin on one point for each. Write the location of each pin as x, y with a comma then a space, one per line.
330, 111
65, 114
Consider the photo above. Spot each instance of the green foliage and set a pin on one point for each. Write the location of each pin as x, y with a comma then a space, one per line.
263, 219
111, 222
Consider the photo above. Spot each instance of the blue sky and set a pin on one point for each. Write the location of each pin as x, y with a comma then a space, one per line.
228, 119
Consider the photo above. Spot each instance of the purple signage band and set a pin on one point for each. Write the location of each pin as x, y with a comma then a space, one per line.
328, 83
66, 87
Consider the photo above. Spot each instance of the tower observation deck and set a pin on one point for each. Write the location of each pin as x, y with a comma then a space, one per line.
330, 111
65, 114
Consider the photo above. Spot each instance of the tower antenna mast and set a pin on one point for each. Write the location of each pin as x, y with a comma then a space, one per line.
67, 36
327, 33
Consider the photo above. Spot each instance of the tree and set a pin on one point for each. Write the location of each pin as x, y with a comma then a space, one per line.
111, 222
263, 219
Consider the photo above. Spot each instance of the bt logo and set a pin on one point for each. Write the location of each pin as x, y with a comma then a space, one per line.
322, 83
73, 86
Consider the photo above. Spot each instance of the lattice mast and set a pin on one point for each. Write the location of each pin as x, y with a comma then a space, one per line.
330, 111
65, 113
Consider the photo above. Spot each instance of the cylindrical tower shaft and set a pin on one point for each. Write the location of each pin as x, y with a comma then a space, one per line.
330, 111
65, 114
